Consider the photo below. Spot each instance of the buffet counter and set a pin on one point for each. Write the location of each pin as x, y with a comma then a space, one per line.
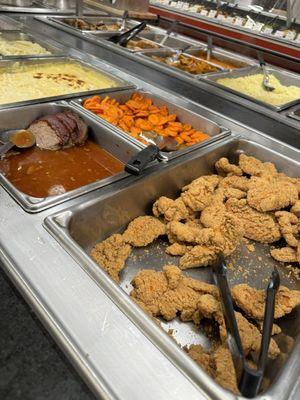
46, 240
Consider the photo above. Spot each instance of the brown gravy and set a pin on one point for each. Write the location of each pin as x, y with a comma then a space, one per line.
43, 173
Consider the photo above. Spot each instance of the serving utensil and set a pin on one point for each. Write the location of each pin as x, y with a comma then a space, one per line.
163, 143
174, 59
249, 379
266, 79
124, 38
168, 32
209, 48
124, 19
22, 139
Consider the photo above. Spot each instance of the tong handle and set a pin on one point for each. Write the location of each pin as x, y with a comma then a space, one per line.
124, 38
139, 162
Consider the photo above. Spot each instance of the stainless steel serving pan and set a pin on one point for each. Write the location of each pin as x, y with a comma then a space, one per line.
78, 228
285, 77
185, 116
108, 139
174, 41
10, 64
13, 35
147, 54
130, 23
223, 55
17, 3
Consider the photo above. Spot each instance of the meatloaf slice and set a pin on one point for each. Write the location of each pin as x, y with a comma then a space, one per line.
45, 135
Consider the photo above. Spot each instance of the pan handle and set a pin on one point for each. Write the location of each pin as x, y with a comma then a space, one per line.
139, 162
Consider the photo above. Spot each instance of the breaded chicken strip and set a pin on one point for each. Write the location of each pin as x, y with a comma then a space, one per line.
169, 293
210, 307
258, 226
202, 358
199, 256
223, 238
288, 224
143, 231
286, 254
253, 166
296, 209
177, 249
224, 370
224, 168
198, 194
111, 255
252, 301
189, 234
171, 210
235, 182
271, 195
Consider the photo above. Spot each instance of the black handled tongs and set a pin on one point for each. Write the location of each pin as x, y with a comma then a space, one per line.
249, 379
124, 38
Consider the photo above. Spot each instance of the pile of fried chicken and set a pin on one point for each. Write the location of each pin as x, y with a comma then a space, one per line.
212, 215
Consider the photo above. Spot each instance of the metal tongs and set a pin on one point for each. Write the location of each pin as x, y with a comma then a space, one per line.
124, 38
168, 32
249, 380
266, 79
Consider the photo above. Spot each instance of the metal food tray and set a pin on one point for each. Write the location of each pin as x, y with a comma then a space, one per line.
80, 227
130, 23
147, 54
223, 55
99, 133
174, 41
17, 3
285, 77
121, 83
186, 116
13, 35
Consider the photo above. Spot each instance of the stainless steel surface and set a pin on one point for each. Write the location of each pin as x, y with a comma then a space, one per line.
173, 70
174, 41
286, 78
17, 3
130, 23
198, 121
238, 60
79, 228
99, 133
16, 63
17, 35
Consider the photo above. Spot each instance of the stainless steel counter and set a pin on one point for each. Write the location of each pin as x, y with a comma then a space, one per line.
113, 356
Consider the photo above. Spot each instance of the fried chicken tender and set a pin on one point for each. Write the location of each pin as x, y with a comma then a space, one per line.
213, 215
223, 238
143, 231
271, 195
224, 168
190, 234
288, 224
286, 254
218, 365
252, 301
296, 209
235, 182
177, 249
253, 166
224, 370
111, 255
171, 210
202, 358
258, 226
210, 307
199, 193
295, 181
169, 293
199, 256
